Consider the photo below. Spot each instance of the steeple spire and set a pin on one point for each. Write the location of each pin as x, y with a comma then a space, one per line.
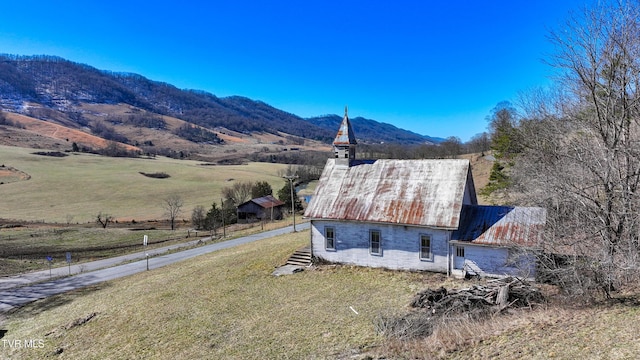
344, 145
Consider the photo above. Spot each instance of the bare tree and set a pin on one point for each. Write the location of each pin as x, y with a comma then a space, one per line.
104, 219
582, 153
238, 193
451, 147
172, 206
479, 143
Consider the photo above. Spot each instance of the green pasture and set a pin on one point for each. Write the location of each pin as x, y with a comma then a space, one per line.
75, 188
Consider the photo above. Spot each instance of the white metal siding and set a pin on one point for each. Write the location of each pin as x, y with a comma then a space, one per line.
400, 245
494, 262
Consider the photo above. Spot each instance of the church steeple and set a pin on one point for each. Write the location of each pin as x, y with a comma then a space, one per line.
344, 145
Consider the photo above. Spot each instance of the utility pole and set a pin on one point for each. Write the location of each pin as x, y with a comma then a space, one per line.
293, 202
145, 242
224, 230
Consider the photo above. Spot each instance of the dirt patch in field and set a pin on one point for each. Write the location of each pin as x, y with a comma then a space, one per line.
9, 174
61, 330
231, 138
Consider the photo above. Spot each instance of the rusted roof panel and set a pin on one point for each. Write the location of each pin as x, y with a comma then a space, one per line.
345, 134
410, 192
267, 202
501, 225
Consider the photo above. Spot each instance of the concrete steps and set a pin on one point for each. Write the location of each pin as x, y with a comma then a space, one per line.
302, 257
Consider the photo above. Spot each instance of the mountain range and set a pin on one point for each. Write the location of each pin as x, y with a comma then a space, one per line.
134, 110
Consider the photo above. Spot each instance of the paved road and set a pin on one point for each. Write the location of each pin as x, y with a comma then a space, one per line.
9, 282
11, 297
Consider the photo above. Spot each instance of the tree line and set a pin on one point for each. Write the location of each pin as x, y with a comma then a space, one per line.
452, 147
574, 149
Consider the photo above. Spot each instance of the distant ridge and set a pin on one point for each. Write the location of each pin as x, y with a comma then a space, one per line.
29, 84
372, 131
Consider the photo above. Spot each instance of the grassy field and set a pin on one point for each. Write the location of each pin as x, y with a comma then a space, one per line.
223, 305
79, 186
25, 249
226, 305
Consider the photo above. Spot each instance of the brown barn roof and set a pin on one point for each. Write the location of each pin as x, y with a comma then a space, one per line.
501, 225
265, 202
411, 192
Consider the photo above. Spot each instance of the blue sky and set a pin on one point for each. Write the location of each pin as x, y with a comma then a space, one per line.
436, 68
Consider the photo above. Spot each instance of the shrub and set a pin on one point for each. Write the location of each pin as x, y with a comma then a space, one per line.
156, 175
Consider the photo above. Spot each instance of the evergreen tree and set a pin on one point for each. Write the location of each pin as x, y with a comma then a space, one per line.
505, 137
284, 195
213, 219
260, 189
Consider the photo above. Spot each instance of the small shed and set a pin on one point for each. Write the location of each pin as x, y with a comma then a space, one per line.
492, 237
260, 209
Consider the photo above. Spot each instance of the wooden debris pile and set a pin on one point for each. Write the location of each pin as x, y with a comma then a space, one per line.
446, 306
479, 300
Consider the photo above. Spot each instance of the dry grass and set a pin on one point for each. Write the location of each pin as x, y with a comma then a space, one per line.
222, 305
226, 305
600, 332
481, 169
554, 332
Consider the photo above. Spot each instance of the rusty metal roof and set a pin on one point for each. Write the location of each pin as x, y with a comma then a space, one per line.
266, 202
410, 192
345, 134
501, 225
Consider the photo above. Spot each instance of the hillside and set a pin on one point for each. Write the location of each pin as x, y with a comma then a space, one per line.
152, 116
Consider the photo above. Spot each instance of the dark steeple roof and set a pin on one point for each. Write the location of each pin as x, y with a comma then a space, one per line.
345, 134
